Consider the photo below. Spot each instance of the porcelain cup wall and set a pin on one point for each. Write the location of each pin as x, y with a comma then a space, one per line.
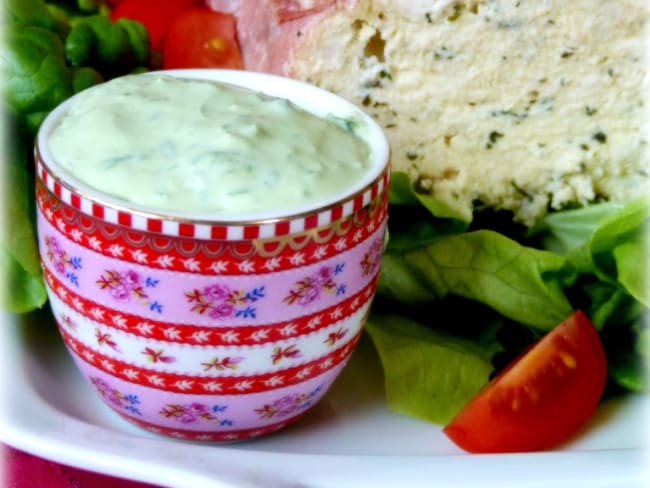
202, 329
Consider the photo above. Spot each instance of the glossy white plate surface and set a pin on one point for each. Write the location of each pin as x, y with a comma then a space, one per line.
349, 439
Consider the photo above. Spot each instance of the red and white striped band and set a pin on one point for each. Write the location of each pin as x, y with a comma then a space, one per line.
208, 385
173, 226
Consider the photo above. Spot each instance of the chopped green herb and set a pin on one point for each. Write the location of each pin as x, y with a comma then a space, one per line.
511, 113
493, 137
443, 53
600, 136
458, 10
347, 124
520, 190
112, 162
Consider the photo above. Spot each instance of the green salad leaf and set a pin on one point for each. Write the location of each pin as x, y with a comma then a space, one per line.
608, 240
402, 192
417, 219
428, 374
23, 286
619, 249
593, 258
37, 77
522, 283
31, 12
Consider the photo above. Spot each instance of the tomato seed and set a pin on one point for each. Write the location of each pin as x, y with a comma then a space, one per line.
568, 360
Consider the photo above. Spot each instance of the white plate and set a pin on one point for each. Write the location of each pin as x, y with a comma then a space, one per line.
349, 439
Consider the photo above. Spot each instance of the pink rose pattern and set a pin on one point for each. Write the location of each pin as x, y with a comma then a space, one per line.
309, 289
288, 404
217, 301
193, 413
220, 302
115, 398
63, 263
125, 285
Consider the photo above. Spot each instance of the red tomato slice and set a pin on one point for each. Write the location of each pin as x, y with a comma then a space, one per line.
202, 38
541, 398
155, 15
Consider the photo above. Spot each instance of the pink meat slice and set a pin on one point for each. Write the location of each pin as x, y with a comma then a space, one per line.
268, 31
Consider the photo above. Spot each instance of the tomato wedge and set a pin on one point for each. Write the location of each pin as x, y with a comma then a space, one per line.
202, 38
155, 15
541, 398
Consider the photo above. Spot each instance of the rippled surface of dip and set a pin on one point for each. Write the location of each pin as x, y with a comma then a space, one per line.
199, 146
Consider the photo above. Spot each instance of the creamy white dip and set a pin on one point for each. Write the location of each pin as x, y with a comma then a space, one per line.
199, 146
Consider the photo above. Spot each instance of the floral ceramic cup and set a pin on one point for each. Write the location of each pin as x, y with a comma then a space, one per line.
211, 330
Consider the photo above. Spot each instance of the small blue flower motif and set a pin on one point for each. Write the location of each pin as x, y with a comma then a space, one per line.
115, 397
255, 294
73, 278
339, 268
219, 408
151, 282
340, 290
226, 422
155, 307
133, 409
75, 261
132, 399
248, 312
317, 390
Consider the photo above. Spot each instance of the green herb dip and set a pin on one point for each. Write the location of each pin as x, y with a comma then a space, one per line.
199, 146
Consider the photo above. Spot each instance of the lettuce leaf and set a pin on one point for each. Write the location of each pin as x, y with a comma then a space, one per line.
608, 240
20, 269
594, 258
416, 219
429, 375
402, 192
619, 249
608, 245
522, 283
